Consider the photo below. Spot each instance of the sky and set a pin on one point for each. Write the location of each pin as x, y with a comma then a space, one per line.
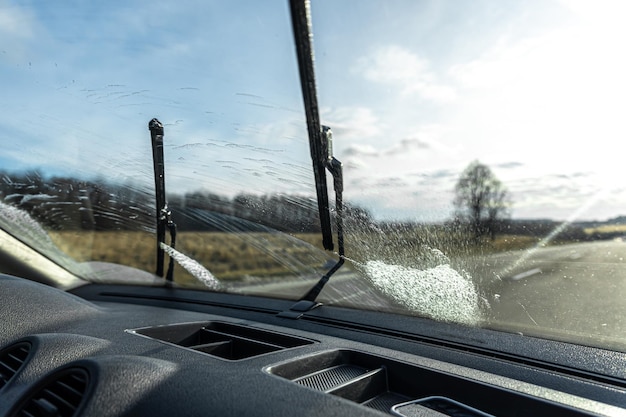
413, 90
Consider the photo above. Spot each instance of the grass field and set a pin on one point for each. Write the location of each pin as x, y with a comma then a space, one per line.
241, 256
227, 255
607, 229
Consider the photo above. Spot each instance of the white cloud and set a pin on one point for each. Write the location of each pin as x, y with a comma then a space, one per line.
350, 123
360, 150
397, 66
392, 151
602, 12
17, 28
408, 145
394, 64
15, 22
502, 64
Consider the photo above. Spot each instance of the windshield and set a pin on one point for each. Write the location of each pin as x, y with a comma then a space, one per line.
479, 145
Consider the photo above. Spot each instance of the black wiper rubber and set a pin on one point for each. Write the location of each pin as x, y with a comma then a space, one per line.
320, 141
163, 213
301, 22
156, 134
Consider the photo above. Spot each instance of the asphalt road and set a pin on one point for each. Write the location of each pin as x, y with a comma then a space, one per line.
346, 288
577, 289
573, 292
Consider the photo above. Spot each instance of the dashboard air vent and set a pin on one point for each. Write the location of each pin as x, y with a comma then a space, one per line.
62, 396
11, 361
224, 340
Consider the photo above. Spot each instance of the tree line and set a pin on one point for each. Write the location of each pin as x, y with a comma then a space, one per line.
64, 203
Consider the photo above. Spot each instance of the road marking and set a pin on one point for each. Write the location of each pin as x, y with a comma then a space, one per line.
526, 274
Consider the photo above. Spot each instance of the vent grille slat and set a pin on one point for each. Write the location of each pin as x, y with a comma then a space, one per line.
331, 377
385, 401
51, 397
8, 368
61, 397
61, 390
11, 361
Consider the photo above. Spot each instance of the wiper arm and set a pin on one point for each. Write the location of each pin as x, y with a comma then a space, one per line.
163, 213
301, 22
320, 141
334, 166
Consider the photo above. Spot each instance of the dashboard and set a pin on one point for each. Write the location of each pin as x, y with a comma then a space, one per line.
105, 350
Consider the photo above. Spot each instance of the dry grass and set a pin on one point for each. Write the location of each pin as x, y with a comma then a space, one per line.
226, 255
238, 256
606, 229
505, 243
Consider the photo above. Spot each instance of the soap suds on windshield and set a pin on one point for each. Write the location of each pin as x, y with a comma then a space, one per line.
439, 292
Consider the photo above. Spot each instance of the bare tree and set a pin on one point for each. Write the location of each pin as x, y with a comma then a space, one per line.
481, 199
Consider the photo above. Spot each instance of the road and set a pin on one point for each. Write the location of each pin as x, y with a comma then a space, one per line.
572, 291
346, 288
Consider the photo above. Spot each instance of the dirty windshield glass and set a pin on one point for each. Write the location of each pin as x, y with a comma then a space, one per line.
479, 143
81, 86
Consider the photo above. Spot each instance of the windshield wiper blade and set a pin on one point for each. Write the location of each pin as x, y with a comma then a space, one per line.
156, 134
301, 22
320, 141
163, 213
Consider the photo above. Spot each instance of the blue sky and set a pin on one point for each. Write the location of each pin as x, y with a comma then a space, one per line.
414, 91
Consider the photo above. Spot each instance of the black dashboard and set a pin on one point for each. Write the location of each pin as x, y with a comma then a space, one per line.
106, 350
